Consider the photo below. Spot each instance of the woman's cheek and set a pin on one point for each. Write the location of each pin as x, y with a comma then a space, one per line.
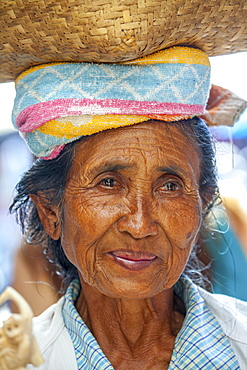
176, 267
85, 221
182, 222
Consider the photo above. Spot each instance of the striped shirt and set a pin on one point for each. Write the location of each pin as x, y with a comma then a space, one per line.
200, 344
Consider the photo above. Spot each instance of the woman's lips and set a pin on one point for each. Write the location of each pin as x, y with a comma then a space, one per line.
133, 260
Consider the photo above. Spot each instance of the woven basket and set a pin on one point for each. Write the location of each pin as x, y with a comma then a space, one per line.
41, 31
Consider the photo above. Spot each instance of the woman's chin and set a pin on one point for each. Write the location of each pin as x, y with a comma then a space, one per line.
125, 289
126, 280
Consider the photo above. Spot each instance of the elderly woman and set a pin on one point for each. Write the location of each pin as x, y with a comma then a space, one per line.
125, 179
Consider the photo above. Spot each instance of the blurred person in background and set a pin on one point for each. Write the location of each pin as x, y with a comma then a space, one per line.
34, 277
22, 265
224, 239
11, 169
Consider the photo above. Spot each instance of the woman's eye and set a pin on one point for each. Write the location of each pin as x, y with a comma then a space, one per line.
108, 182
170, 186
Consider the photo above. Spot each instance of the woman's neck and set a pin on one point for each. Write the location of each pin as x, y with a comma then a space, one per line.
131, 329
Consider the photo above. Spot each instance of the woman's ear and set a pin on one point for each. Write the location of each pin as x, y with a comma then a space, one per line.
49, 216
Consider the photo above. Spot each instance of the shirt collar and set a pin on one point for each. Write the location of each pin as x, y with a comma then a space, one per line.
87, 351
200, 344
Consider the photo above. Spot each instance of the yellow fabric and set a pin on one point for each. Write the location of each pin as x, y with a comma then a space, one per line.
73, 126
68, 126
176, 54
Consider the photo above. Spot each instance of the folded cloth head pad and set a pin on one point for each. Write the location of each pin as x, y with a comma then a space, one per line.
59, 103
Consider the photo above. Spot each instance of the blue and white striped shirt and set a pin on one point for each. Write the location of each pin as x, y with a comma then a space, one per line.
200, 344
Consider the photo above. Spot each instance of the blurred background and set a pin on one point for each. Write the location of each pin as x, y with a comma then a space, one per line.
223, 240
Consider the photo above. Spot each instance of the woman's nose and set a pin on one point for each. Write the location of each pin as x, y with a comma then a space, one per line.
138, 221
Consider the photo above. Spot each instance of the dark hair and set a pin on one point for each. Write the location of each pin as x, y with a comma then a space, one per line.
49, 178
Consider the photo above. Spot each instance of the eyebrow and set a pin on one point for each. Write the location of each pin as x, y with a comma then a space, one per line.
108, 167
173, 170
114, 167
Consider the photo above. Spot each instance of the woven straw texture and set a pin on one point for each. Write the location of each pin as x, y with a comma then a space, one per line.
41, 31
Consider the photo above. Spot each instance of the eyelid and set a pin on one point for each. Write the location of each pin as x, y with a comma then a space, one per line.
108, 175
164, 179
172, 178
105, 175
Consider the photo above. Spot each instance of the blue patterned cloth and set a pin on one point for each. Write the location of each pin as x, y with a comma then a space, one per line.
58, 103
178, 75
200, 344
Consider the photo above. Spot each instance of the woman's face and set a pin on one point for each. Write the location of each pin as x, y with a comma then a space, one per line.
132, 209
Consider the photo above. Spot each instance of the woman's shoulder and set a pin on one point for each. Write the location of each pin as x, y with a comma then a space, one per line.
53, 339
231, 314
50, 320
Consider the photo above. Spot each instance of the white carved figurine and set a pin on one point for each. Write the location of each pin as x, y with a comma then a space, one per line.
18, 347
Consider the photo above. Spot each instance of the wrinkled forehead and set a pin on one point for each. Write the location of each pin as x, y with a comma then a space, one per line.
153, 144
